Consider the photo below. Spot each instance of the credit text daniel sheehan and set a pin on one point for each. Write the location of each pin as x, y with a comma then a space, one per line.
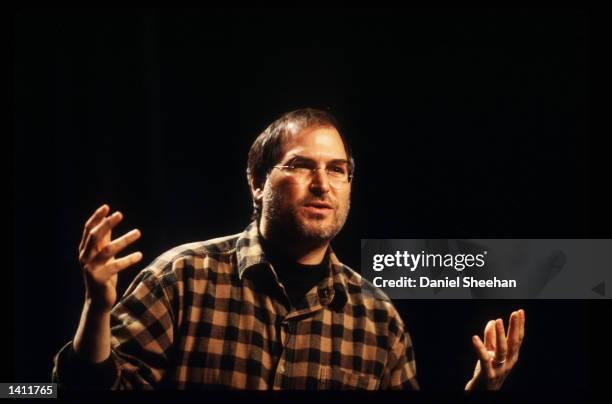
425, 282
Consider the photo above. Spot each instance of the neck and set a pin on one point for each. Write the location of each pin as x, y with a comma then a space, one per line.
303, 252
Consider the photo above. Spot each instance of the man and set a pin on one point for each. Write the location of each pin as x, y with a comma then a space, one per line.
269, 308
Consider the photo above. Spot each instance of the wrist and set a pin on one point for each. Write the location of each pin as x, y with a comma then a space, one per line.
94, 308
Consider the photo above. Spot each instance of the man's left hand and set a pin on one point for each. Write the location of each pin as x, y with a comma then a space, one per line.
499, 352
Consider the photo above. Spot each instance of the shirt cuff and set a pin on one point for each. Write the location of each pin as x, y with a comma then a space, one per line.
76, 373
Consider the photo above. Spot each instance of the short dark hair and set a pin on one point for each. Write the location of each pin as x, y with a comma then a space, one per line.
265, 151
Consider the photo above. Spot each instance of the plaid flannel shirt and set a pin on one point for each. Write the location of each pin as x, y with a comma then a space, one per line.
214, 315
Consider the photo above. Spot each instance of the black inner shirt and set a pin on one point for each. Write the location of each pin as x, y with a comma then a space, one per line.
297, 278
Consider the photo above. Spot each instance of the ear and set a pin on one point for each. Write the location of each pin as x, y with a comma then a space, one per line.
256, 191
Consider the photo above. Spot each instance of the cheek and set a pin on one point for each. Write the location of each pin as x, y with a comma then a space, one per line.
344, 198
289, 191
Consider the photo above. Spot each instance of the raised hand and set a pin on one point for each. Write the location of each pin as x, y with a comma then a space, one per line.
97, 253
499, 352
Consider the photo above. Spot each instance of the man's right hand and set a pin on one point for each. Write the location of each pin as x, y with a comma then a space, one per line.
97, 253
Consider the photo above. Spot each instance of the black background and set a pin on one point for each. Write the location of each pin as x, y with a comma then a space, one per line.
464, 123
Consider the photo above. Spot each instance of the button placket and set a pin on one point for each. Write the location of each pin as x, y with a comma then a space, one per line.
286, 330
324, 297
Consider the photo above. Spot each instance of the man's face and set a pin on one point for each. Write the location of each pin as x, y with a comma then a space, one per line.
309, 209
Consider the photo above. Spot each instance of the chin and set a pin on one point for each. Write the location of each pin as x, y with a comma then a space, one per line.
317, 230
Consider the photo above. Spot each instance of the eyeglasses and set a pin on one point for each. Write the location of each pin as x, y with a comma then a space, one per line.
337, 175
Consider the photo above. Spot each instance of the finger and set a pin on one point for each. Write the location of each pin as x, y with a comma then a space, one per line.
116, 246
95, 238
480, 348
514, 342
93, 220
484, 355
489, 335
502, 345
123, 263
92, 245
522, 325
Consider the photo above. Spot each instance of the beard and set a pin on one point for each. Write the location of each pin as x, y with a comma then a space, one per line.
293, 224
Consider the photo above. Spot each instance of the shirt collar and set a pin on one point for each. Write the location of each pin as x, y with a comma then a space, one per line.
249, 254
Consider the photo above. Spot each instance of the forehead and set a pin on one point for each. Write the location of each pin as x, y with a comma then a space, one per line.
318, 142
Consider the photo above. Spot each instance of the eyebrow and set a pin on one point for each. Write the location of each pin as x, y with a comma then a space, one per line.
333, 161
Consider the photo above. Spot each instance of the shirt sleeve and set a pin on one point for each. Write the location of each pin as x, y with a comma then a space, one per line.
142, 334
400, 372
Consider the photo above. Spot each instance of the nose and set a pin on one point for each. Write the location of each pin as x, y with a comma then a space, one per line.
319, 182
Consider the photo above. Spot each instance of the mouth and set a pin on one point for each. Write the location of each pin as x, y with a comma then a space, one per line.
318, 207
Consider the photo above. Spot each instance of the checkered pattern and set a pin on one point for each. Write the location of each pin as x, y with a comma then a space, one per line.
214, 315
